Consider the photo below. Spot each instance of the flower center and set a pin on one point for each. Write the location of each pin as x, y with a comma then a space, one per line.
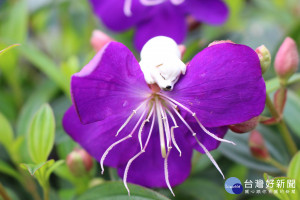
162, 107
127, 4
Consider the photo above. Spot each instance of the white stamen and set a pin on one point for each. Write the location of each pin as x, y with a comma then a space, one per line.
130, 117
142, 127
202, 146
176, 102
166, 171
177, 2
194, 115
118, 142
181, 118
166, 125
161, 129
172, 131
127, 8
137, 155
210, 157
173, 139
211, 134
151, 2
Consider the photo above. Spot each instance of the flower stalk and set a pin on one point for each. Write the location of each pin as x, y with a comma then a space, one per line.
276, 164
282, 127
3, 193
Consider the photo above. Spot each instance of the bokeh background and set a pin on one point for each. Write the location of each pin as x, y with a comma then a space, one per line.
54, 38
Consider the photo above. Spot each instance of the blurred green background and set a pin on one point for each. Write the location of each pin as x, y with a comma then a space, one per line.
54, 38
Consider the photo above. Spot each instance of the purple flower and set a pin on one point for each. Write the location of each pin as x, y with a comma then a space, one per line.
158, 17
149, 137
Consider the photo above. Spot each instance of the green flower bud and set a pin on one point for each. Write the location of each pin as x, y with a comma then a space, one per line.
264, 57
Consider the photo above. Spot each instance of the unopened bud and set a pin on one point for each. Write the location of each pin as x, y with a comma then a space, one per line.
264, 57
182, 49
286, 60
245, 126
220, 42
99, 40
79, 162
192, 23
257, 146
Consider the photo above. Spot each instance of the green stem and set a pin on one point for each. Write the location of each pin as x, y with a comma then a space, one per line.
271, 107
3, 193
277, 165
46, 191
285, 134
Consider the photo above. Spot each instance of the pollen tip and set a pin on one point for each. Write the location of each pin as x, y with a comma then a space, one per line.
176, 126
194, 134
147, 120
194, 114
134, 111
130, 136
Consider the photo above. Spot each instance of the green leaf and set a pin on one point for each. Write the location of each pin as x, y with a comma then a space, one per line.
41, 134
116, 190
294, 167
53, 167
6, 132
284, 195
292, 112
40, 171
240, 152
32, 168
9, 170
46, 65
42, 94
7, 48
200, 188
15, 25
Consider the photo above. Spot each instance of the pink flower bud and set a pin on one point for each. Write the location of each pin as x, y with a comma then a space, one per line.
182, 49
99, 40
264, 57
245, 126
79, 162
287, 59
220, 42
192, 23
257, 146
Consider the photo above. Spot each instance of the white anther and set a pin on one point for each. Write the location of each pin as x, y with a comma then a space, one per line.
161, 62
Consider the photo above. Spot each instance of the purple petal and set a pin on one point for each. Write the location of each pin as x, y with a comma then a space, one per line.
111, 83
167, 21
148, 169
112, 14
223, 85
97, 137
213, 12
